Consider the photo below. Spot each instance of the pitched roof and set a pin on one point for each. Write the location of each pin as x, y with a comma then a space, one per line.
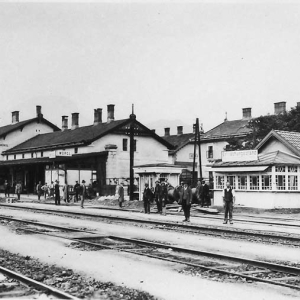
228, 129
4, 130
267, 159
290, 139
179, 140
77, 137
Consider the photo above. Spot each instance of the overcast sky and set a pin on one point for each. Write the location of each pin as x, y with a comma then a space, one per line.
173, 61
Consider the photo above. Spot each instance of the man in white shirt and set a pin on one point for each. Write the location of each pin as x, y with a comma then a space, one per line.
228, 202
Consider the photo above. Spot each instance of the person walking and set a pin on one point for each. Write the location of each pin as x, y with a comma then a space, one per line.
164, 197
147, 197
6, 188
186, 201
205, 194
199, 192
39, 190
65, 193
18, 189
76, 190
83, 190
121, 194
45, 189
228, 202
57, 192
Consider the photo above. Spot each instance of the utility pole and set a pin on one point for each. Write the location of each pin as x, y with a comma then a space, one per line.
131, 154
197, 142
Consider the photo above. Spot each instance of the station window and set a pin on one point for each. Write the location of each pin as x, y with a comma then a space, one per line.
293, 182
219, 182
210, 152
242, 182
125, 144
42, 153
280, 169
23, 155
31, 154
292, 169
280, 182
15, 156
231, 180
254, 182
266, 182
6, 157
76, 150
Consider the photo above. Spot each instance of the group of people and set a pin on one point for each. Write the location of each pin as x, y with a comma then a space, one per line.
160, 194
54, 190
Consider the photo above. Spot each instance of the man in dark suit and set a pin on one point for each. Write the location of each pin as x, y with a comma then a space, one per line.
57, 193
157, 194
205, 194
147, 197
186, 201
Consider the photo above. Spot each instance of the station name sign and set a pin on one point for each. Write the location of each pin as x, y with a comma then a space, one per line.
54, 154
243, 155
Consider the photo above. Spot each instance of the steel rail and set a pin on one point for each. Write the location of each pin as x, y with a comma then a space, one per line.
207, 228
38, 285
261, 264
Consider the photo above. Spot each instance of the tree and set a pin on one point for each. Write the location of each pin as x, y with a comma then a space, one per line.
261, 126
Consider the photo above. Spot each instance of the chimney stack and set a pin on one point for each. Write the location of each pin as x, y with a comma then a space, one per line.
153, 130
110, 113
279, 108
247, 113
39, 114
167, 131
75, 120
298, 104
179, 130
97, 116
64, 125
15, 116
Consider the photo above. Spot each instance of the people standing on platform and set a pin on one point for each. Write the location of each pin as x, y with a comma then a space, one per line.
83, 190
45, 189
18, 189
199, 192
186, 201
39, 190
206, 195
147, 198
164, 197
6, 188
57, 192
51, 189
65, 193
121, 194
157, 195
228, 203
76, 190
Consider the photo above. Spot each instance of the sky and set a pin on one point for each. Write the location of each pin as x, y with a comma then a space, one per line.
174, 61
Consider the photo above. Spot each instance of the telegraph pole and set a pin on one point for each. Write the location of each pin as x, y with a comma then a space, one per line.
197, 142
131, 151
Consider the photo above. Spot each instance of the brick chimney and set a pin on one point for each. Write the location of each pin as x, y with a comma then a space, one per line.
247, 113
97, 116
75, 120
167, 131
298, 104
15, 116
110, 113
39, 114
279, 108
153, 130
64, 125
179, 130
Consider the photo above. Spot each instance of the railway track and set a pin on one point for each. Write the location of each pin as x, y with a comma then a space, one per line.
15, 285
230, 232
211, 264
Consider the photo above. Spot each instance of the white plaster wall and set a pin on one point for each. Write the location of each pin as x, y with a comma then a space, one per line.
262, 199
17, 137
275, 145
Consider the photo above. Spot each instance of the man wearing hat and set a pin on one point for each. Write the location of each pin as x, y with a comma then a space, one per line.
186, 201
147, 197
83, 188
57, 193
76, 190
157, 194
164, 197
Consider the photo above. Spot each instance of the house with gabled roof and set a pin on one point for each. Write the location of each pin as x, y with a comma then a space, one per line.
98, 153
266, 177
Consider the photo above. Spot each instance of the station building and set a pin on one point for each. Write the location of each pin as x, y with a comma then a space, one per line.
98, 153
267, 177
17, 132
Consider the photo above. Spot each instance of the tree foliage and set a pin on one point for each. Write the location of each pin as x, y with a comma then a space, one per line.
261, 126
